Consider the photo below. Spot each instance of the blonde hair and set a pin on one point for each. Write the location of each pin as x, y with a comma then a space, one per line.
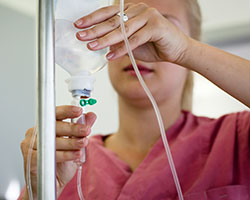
194, 19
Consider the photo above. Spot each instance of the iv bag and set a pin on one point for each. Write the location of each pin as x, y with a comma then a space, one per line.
72, 54
74, 9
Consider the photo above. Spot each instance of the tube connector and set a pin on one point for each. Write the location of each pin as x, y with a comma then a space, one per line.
85, 102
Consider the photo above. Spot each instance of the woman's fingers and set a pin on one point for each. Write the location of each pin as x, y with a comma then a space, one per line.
90, 119
138, 28
110, 24
146, 28
114, 37
76, 130
70, 136
99, 30
61, 156
33, 164
67, 144
71, 143
64, 156
98, 16
72, 129
29, 132
66, 112
68, 129
70, 112
137, 39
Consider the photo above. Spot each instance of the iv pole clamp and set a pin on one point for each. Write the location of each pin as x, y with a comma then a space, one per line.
46, 101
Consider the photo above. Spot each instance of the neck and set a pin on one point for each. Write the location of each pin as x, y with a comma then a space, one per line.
139, 126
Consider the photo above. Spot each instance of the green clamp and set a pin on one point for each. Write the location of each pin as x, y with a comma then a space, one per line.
85, 102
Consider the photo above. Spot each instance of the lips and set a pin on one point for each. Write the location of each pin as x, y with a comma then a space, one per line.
143, 70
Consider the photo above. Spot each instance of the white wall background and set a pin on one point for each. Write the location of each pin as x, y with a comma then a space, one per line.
222, 19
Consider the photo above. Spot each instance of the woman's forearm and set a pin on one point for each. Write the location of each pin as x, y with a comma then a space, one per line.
229, 72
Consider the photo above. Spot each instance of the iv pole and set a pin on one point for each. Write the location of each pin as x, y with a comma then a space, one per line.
46, 101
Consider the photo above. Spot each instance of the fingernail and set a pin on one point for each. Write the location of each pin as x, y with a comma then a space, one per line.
110, 55
76, 109
82, 34
93, 44
86, 142
84, 130
77, 154
81, 141
78, 22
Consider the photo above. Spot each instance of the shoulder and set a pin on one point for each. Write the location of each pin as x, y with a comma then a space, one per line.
243, 121
240, 121
231, 129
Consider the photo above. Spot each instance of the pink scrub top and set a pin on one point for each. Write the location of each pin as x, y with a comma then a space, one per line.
212, 159
211, 156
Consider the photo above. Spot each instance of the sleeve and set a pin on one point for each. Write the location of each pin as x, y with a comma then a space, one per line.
243, 144
243, 125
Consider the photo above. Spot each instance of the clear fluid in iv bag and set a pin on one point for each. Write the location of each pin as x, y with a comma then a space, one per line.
72, 54
75, 9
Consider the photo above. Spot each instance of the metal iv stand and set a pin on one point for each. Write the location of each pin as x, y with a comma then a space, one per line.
46, 101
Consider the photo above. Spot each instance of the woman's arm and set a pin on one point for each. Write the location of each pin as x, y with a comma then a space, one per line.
229, 72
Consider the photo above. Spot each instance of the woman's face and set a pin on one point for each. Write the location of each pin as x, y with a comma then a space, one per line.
165, 80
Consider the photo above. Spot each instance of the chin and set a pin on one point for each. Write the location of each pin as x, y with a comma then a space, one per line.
141, 103
137, 97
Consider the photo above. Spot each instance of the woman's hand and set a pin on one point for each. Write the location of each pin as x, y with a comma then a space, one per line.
151, 36
70, 138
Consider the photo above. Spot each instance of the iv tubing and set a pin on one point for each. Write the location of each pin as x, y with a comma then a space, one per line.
80, 163
79, 185
29, 187
157, 112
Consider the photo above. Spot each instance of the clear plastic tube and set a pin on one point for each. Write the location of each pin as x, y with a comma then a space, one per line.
79, 183
79, 120
29, 187
156, 109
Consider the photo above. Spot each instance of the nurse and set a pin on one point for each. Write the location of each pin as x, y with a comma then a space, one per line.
212, 156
